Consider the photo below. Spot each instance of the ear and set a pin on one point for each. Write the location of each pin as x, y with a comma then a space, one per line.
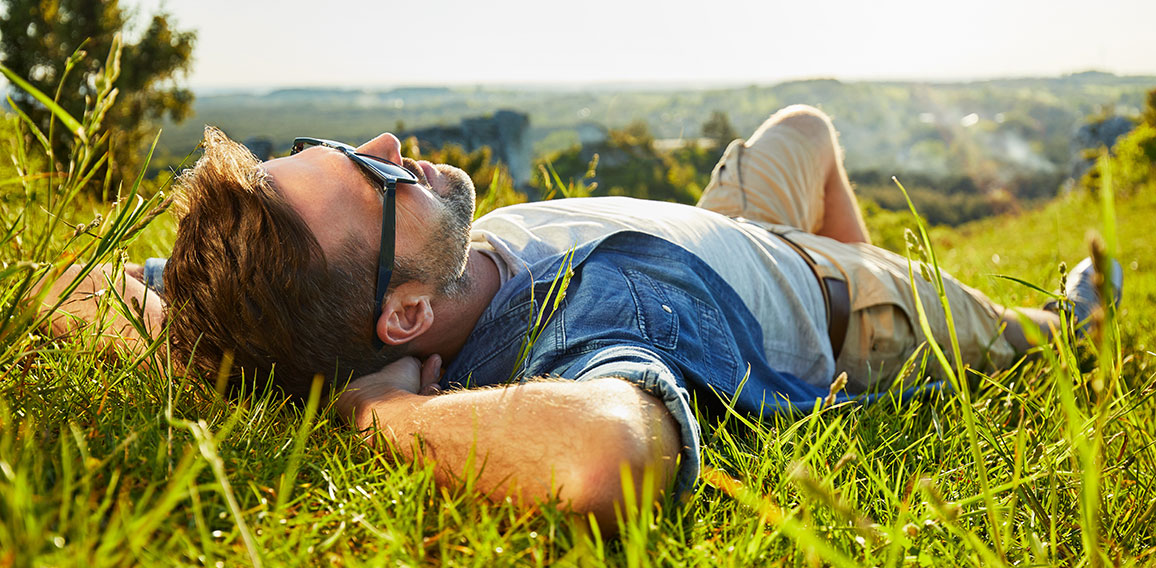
406, 314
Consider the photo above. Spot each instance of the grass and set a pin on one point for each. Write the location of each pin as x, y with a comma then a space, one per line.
104, 461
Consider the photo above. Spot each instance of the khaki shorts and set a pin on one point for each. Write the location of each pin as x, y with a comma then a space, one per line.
777, 178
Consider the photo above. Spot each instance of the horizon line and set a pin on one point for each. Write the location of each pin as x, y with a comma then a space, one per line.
693, 84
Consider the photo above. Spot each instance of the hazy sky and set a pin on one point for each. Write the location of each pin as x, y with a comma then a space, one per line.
265, 43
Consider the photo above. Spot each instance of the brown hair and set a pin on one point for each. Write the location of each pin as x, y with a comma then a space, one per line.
248, 277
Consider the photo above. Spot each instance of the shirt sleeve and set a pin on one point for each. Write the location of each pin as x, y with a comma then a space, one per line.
154, 269
649, 372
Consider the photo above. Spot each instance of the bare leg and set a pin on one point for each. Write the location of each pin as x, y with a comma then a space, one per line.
842, 219
1014, 331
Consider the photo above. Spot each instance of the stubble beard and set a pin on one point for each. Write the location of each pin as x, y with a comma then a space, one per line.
442, 261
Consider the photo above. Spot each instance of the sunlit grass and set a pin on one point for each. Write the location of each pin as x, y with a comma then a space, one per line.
104, 461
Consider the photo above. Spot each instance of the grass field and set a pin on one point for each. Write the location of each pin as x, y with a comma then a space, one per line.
105, 460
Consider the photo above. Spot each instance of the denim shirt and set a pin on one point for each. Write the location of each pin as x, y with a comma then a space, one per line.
642, 309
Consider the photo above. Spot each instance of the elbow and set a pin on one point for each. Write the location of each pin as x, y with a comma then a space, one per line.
633, 462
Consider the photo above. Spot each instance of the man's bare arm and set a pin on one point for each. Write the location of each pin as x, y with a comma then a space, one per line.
529, 441
81, 307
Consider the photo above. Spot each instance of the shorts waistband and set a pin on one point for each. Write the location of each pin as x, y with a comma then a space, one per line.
836, 295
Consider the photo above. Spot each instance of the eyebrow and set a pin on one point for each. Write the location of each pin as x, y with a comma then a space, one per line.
365, 175
375, 184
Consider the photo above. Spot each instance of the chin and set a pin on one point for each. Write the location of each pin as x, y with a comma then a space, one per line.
456, 180
459, 194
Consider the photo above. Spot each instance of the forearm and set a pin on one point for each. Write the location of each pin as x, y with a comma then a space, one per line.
82, 307
537, 440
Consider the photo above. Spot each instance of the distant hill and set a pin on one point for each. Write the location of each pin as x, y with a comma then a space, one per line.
992, 132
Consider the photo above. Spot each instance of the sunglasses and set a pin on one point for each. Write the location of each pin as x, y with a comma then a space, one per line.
387, 174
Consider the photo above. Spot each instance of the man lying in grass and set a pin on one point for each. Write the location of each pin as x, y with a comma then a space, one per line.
347, 263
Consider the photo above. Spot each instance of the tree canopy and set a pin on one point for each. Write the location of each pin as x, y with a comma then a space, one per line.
37, 37
719, 129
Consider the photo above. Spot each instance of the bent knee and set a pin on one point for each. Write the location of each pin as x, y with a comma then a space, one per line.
808, 122
806, 119
812, 123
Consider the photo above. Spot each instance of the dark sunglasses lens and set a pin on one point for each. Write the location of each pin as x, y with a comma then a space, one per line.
388, 169
300, 144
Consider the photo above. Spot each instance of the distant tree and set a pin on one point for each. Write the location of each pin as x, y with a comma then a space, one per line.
719, 129
628, 163
1149, 115
37, 37
634, 135
1133, 157
479, 164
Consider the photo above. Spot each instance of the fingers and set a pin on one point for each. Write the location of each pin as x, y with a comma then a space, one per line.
406, 366
386, 378
406, 374
431, 372
361, 399
361, 393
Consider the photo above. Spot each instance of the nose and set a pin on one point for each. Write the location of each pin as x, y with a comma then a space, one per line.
386, 146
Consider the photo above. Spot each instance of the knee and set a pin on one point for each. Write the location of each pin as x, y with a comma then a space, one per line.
811, 126
807, 120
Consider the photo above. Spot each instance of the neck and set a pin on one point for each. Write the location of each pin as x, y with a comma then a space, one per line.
456, 317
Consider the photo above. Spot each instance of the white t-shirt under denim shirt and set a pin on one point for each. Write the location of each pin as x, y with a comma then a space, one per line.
772, 279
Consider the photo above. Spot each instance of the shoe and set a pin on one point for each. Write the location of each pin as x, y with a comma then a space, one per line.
1082, 293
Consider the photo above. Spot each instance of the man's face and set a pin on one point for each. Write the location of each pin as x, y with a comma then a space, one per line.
342, 207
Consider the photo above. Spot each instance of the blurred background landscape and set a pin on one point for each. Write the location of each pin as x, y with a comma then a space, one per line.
980, 110
967, 150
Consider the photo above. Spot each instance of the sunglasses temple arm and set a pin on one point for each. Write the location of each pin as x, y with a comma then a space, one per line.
385, 257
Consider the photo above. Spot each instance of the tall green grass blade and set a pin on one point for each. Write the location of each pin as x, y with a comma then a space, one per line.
290, 476
27, 120
550, 304
62, 115
955, 375
1030, 286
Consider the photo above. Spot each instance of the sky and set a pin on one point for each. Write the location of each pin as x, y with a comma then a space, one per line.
384, 43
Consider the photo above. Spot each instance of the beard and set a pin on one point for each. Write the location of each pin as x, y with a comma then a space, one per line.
442, 260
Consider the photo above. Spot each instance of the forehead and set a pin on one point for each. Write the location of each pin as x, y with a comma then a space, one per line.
329, 192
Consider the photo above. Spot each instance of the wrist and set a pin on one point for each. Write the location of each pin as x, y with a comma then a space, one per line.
383, 409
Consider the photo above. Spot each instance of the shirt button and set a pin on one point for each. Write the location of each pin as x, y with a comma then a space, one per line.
667, 308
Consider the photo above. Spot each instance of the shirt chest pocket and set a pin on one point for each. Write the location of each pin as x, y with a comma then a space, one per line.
657, 320
689, 329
